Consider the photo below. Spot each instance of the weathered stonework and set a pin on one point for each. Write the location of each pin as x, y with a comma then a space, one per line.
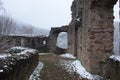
53, 39
114, 70
91, 32
39, 43
18, 67
90, 37
44, 44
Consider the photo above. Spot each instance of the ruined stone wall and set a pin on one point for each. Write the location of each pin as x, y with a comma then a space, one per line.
44, 44
53, 39
98, 25
39, 42
75, 28
91, 32
18, 67
111, 70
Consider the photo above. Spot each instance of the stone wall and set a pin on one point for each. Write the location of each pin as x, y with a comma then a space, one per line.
113, 72
110, 69
36, 42
91, 32
44, 44
18, 67
53, 39
75, 28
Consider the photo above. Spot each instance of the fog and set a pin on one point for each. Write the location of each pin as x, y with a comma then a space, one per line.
43, 13
40, 13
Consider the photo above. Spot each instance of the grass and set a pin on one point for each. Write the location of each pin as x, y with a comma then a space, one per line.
53, 71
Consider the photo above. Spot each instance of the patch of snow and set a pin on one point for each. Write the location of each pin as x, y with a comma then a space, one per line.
25, 51
1, 70
36, 74
5, 66
24, 55
18, 47
4, 55
62, 40
115, 57
78, 19
76, 66
68, 55
45, 53
82, 71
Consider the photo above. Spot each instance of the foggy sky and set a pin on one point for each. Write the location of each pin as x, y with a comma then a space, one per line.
42, 13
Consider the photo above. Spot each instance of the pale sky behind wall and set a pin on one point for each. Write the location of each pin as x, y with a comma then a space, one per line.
43, 13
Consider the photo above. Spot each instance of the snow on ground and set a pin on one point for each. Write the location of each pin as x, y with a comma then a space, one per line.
29, 50
62, 40
67, 55
45, 53
23, 50
36, 74
115, 57
82, 71
76, 66
1, 71
18, 47
4, 55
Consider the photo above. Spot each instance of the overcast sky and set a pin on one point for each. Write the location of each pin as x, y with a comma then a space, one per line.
42, 13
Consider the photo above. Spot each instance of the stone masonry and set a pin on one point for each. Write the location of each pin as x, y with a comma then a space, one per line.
39, 43
90, 37
53, 39
18, 66
44, 44
91, 32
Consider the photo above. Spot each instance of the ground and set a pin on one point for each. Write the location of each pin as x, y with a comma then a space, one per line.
53, 71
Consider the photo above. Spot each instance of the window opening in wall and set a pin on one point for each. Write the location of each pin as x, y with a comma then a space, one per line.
116, 42
44, 42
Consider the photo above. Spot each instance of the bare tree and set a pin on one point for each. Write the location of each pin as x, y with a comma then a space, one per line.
6, 27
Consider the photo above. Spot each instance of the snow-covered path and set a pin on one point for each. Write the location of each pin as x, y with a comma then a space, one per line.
63, 67
35, 75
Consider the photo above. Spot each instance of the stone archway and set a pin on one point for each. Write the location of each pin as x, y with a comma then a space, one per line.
62, 40
53, 37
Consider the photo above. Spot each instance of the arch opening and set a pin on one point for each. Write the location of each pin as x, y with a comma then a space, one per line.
62, 40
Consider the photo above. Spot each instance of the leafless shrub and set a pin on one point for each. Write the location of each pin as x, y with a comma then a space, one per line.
6, 27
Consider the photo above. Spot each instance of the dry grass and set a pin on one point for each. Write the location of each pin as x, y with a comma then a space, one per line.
52, 71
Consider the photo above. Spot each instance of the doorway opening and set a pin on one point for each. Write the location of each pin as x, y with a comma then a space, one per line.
116, 42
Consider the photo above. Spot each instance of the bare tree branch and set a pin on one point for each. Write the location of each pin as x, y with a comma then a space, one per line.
6, 28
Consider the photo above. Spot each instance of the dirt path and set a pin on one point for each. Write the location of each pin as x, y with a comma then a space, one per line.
53, 71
